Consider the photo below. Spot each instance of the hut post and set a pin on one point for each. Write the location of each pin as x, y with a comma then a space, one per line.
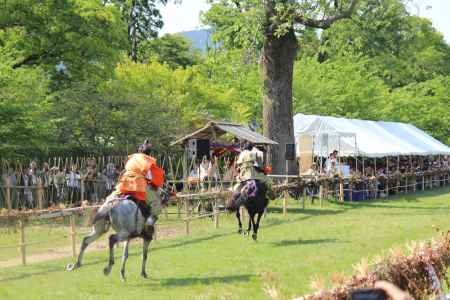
320, 193
286, 192
341, 190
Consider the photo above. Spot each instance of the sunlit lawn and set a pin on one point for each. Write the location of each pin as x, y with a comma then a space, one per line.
220, 264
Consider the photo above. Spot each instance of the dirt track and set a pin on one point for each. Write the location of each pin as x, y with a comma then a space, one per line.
62, 252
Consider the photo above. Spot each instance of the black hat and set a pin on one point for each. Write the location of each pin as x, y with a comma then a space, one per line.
145, 147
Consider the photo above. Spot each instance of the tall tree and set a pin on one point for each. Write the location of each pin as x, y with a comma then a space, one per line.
143, 20
276, 28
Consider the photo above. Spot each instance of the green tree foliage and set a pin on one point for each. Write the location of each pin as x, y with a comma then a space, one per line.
24, 103
141, 100
66, 84
172, 49
425, 104
238, 75
343, 87
66, 33
403, 49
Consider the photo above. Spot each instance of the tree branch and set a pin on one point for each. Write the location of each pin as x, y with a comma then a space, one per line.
326, 23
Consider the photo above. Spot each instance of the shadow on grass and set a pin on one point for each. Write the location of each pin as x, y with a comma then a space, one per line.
26, 275
297, 242
307, 211
205, 280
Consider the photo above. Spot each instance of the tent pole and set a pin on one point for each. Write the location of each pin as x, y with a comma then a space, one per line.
356, 157
339, 155
363, 171
320, 154
398, 162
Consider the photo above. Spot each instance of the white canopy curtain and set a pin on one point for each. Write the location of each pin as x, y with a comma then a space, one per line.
367, 138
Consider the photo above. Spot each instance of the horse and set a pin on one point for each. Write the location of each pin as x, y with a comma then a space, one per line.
252, 195
127, 220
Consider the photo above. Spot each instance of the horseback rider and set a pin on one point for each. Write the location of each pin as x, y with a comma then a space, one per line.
250, 166
142, 179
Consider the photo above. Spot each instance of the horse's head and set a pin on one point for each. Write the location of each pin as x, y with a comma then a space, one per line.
166, 193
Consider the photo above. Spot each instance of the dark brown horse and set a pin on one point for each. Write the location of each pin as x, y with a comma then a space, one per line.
252, 195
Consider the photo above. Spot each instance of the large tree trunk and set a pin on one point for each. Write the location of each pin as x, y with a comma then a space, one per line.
278, 63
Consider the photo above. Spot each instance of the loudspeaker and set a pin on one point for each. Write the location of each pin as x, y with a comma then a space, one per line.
289, 152
199, 148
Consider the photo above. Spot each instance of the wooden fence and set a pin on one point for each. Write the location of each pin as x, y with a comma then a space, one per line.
188, 203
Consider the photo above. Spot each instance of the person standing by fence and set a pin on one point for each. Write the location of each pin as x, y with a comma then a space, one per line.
74, 185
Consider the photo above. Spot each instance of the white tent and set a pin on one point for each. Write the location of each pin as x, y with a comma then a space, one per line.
366, 138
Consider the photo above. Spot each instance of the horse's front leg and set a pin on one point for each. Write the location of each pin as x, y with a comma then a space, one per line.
99, 228
124, 260
249, 228
238, 216
144, 256
256, 226
112, 241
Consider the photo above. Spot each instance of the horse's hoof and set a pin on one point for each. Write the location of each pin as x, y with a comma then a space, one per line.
144, 275
254, 237
106, 271
240, 231
71, 267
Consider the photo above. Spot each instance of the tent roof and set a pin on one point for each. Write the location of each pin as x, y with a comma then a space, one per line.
216, 129
371, 138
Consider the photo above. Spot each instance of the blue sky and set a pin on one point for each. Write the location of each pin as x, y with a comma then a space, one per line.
185, 15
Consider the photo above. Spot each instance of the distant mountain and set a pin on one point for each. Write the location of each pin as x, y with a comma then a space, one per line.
201, 39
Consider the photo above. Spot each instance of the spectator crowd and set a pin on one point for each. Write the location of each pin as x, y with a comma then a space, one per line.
58, 184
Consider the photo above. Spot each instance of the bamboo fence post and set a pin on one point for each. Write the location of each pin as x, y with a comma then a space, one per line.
8, 194
406, 184
82, 190
397, 183
216, 216
423, 183
22, 242
285, 202
40, 194
186, 216
73, 235
341, 190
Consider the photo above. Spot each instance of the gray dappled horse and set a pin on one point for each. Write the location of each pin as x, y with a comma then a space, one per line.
127, 220
252, 194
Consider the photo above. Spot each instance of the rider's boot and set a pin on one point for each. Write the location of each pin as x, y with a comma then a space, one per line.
149, 226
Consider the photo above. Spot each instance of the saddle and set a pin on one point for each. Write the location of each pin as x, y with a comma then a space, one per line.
143, 207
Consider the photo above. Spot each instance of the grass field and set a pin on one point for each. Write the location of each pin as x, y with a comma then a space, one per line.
220, 264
